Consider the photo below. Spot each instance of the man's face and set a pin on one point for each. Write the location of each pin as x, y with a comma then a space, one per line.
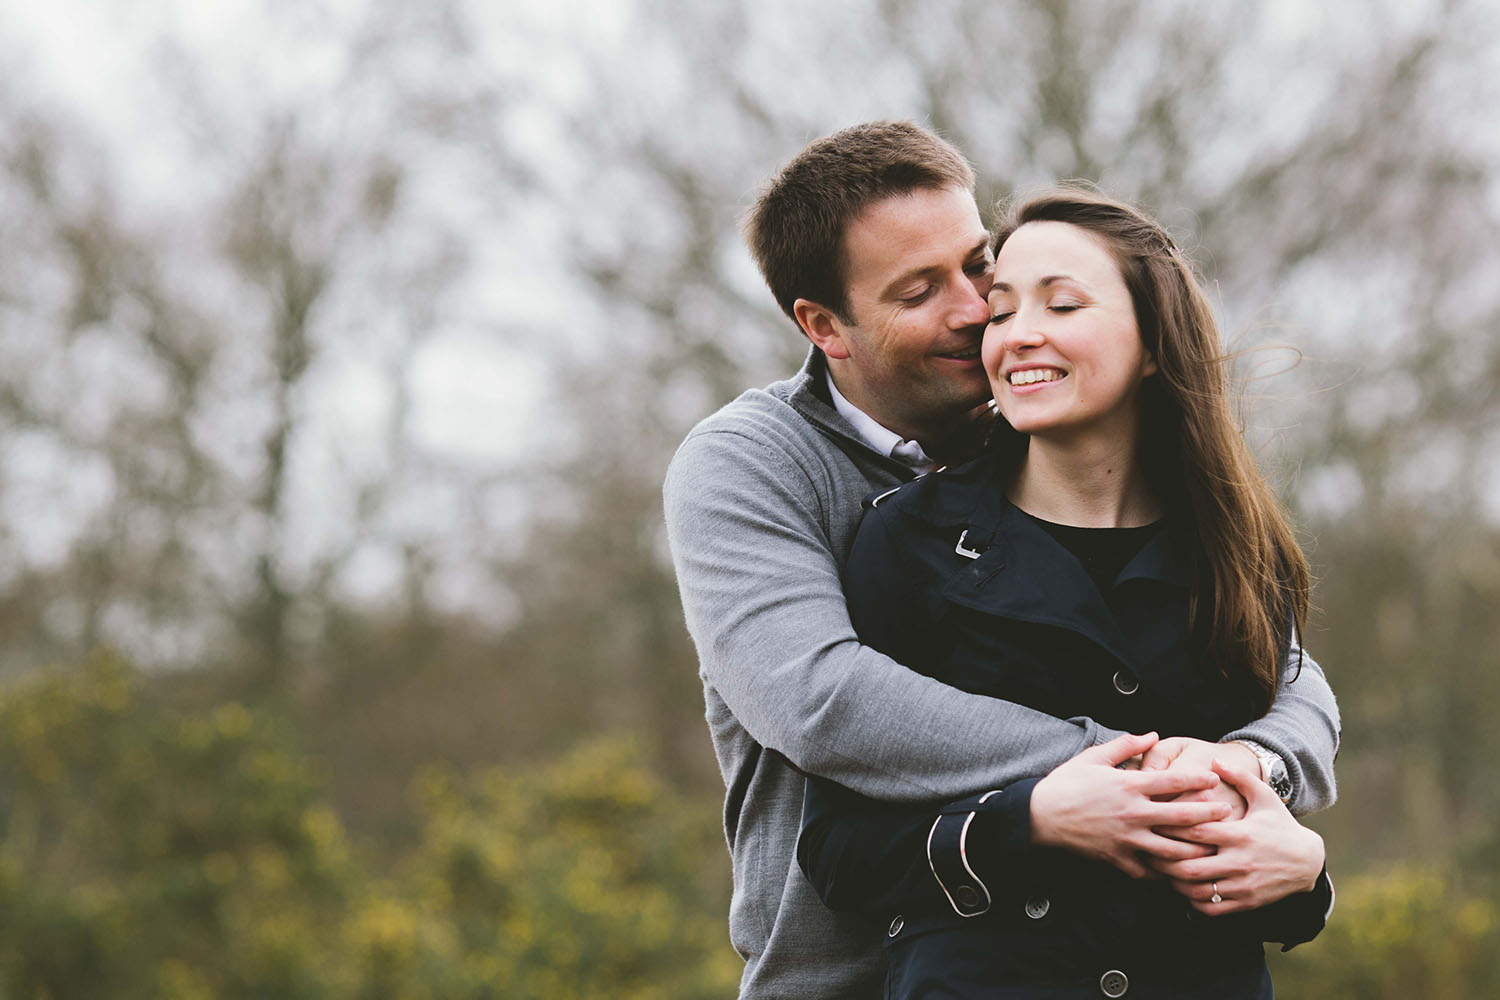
918, 270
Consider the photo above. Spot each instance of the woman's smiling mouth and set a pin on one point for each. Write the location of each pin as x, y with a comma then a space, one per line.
1027, 376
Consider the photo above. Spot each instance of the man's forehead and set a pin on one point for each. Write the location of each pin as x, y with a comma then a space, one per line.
915, 230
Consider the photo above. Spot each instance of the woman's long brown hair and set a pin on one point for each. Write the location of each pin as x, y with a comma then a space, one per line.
1249, 568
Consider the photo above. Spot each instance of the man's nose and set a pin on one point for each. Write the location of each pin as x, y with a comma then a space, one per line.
971, 309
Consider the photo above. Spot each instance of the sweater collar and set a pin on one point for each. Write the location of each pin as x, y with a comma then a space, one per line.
807, 393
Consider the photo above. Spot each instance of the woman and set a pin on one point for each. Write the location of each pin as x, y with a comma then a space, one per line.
1115, 554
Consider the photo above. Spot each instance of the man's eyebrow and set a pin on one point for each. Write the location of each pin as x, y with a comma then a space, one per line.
1051, 279
920, 272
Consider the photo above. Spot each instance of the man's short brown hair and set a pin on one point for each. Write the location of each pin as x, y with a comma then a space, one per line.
796, 227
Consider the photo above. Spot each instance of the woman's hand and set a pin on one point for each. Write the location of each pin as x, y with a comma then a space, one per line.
1184, 751
1090, 806
1264, 857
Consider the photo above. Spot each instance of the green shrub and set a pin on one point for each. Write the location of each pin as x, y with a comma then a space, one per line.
153, 854
1400, 933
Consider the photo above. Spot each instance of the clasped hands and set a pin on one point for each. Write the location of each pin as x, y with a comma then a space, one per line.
1193, 812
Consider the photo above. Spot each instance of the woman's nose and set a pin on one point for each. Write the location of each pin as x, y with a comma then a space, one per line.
1023, 331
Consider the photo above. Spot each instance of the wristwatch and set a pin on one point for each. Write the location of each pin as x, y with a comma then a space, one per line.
1272, 770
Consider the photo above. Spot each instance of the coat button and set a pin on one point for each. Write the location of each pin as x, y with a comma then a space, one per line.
1126, 684
896, 926
1037, 907
1113, 984
966, 895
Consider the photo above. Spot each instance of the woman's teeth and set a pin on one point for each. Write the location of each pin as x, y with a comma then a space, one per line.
1031, 375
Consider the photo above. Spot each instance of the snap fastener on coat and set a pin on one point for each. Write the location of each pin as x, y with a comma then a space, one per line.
1037, 907
1113, 984
896, 926
966, 895
1126, 684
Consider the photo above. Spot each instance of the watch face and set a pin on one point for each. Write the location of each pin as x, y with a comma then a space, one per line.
1280, 781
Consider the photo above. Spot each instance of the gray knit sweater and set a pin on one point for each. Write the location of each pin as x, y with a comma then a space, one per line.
762, 500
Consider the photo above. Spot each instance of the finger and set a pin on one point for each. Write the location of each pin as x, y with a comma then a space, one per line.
1166, 849
1255, 791
1221, 909
1214, 868
1189, 834
1191, 848
1173, 782
1230, 901
1160, 757
1180, 814
1200, 892
1118, 750
1200, 895
1211, 834
1132, 866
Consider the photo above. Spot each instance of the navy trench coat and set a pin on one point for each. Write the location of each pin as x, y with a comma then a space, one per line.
947, 577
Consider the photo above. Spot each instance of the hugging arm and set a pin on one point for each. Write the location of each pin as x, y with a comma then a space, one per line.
1302, 726
862, 854
766, 609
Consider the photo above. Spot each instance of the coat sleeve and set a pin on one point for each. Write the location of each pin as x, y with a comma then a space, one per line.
1290, 921
860, 854
765, 606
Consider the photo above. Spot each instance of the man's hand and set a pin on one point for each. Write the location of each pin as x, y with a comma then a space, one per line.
1184, 751
1264, 857
1090, 806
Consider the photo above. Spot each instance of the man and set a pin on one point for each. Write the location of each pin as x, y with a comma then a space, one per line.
870, 241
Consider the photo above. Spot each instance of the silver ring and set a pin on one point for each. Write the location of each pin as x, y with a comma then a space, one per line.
1215, 898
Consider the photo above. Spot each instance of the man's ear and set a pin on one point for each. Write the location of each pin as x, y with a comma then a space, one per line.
822, 327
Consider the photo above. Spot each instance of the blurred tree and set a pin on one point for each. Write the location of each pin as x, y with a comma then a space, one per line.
1330, 177
189, 384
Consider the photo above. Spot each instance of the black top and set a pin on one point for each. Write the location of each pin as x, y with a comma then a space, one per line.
1103, 552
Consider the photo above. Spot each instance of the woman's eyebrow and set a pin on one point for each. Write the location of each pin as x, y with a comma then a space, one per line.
1050, 279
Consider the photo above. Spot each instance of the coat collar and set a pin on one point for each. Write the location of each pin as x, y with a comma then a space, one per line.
972, 498
1023, 573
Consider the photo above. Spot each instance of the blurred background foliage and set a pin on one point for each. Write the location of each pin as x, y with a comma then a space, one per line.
341, 359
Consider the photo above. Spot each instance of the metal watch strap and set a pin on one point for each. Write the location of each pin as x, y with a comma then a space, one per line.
1272, 770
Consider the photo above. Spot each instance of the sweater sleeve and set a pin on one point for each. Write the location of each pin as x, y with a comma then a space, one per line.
1302, 726
765, 606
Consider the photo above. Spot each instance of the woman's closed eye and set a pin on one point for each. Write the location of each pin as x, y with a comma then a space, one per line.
999, 318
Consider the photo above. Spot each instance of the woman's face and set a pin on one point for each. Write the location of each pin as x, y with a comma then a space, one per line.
1062, 350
